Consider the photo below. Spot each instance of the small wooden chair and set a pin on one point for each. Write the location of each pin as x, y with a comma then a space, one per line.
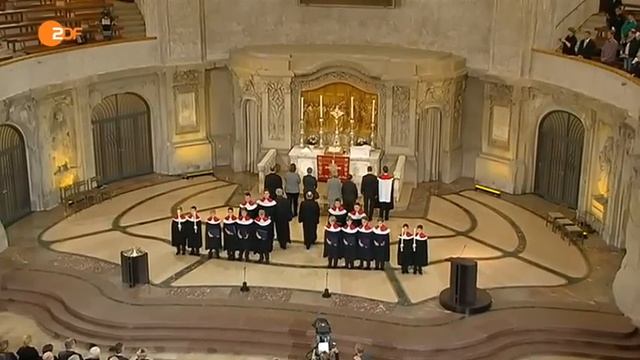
103, 191
66, 198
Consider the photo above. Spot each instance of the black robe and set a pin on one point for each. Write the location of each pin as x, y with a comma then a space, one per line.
194, 232
340, 215
214, 234
282, 218
369, 186
272, 182
421, 253
178, 231
310, 183
405, 249
309, 216
252, 209
365, 243
230, 233
381, 247
332, 241
246, 234
269, 207
350, 243
349, 194
264, 235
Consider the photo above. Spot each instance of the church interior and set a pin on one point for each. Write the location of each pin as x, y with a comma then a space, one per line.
520, 162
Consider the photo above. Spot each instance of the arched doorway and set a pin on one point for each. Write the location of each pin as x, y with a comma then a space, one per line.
251, 130
122, 137
15, 201
559, 158
429, 145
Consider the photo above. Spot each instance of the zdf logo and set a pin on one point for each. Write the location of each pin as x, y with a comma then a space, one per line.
52, 33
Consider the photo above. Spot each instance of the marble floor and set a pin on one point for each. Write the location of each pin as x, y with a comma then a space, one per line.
511, 244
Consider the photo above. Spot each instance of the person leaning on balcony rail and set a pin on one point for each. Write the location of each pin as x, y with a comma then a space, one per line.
609, 53
630, 50
586, 47
628, 25
569, 42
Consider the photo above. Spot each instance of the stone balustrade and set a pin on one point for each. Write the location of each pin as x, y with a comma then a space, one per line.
264, 166
399, 175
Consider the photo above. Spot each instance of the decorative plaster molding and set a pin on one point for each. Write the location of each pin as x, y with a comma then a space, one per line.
186, 77
400, 117
276, 114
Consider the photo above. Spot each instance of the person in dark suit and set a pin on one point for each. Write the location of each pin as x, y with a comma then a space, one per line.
349, 193
369, 190
309, 216
283, 216
586, 47
569, 42
310, 183
273, 181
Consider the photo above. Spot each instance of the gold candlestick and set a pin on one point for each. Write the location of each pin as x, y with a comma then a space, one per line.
351, 122
301, 121
373, 122
321, 132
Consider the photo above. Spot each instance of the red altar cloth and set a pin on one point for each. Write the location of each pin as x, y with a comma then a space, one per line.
324, 163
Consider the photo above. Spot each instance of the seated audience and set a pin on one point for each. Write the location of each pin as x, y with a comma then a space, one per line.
569, 42
630, 50
5, 354
141, 354
47, 352
117, 350
68, 352
586, 47
629, 24
609, 54
94, 353
26, 351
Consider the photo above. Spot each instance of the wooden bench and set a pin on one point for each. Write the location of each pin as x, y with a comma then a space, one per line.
573, 234
560, 223
552, 217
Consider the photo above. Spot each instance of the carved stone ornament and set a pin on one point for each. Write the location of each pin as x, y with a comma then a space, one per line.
500, 94
186, 77
276, 96
400, 116
456, 130
433, 93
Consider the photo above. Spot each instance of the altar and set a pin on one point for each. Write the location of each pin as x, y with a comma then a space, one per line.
360, 157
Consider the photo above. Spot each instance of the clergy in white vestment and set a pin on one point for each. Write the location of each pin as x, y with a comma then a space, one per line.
385, 193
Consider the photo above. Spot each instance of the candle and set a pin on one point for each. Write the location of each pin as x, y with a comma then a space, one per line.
352, 107
301, 107
321, 108
373, 111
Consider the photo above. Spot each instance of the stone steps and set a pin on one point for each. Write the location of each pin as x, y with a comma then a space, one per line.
70, 306
130, 19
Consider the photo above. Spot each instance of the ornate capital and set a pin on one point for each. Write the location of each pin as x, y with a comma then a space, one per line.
182, 77
500, 94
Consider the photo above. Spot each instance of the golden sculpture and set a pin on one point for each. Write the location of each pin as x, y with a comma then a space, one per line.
337, 97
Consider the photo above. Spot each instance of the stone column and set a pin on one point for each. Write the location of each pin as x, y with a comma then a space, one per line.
4, 242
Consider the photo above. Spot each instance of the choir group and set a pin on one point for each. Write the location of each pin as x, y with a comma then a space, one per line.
348, 236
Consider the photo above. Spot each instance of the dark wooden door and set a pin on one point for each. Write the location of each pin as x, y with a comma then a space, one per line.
559, 158
122, 137
15, 201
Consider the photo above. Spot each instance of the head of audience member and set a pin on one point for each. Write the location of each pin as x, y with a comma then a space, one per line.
118, 348
26, 340
244, 213
359, 349
69, 344
142, 353
572, 31
4, 345
279, 192
610, 34
48, 356
194, 210
309, 171
292, 168
631, 17
47, 348
94, 353
349, 177
275, 168
74, 357
587, 35
247, 196
229, 211
618, 10
308, 195
369, 169
262, 213
636, 33
385, 169
337, 203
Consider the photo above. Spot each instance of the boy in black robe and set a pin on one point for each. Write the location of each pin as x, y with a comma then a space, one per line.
245, 235
365, 248
309, 216
357, 214
339, 212
332, 240
282, 218
230, 234
194, 226
349, 244
405, 249
264, 236
214, 235
250, 205
179, 232
420, 250
381, 244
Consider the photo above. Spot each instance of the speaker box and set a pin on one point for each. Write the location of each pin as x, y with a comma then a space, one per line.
463, 295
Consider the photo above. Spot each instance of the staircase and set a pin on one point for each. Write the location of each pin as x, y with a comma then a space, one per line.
129, 19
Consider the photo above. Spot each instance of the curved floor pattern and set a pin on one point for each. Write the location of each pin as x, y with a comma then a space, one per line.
512, 245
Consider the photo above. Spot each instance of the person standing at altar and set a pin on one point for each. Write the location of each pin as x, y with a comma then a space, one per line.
349, 244
194, 231
250, 205
385, 193
230, 230
420, 250
264, 236
369, 190
365, 248
332, 242
310, 183
357, 214
310, 218
282, 219
273, 181
349, 193
381, 244
245, 235
339, 212
179, 232
292, 188
213, 241
405, 249
334, 189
